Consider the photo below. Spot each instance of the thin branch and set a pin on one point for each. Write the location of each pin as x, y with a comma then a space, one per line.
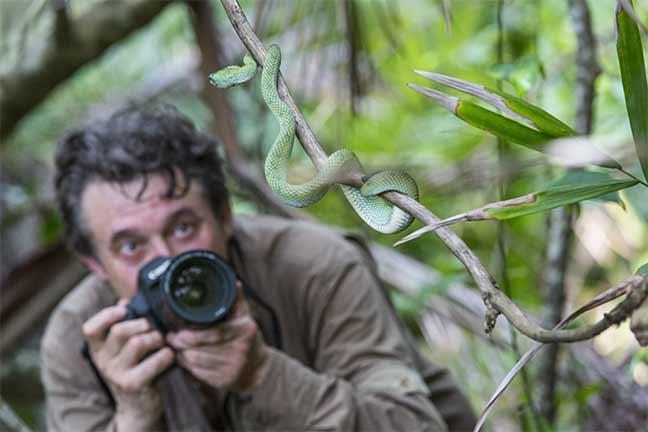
352, 33
559, 233
503, 153
587, 67
10, 420
212, 59
261, 14
558, 245
495, 300
62, 21
385, 25
52, 60
632, 285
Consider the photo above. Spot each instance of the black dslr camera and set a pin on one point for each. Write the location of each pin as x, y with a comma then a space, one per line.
193, 289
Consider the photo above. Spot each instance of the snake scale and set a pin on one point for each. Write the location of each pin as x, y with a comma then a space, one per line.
374, 211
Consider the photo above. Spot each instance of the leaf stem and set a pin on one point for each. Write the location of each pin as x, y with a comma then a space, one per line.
632, 176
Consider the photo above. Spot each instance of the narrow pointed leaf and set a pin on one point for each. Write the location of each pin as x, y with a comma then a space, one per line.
477, 90
635, 87
497, 124
515, 107
572, 188
629, 9
541, 118
501, 126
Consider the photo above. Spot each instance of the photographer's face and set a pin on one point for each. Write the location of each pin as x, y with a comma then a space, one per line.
128, 232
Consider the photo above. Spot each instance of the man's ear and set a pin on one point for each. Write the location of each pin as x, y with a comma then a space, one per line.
94, 265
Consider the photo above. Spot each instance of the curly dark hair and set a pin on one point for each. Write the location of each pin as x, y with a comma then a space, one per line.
134, 142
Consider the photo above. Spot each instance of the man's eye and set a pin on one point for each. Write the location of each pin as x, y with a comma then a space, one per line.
183, 229
129, 247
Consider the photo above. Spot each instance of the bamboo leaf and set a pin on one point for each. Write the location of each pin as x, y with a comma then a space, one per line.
541, 118
515, 107
501, 126
635, 87
572, 188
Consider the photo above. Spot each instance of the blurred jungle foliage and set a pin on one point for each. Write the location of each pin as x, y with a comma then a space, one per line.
347, 64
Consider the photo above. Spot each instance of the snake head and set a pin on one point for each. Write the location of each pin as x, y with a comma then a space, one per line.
227, 77
234, 75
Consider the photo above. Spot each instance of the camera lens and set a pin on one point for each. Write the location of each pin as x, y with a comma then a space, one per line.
200, 287
190, 288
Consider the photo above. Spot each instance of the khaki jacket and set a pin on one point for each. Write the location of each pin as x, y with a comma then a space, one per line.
341, 359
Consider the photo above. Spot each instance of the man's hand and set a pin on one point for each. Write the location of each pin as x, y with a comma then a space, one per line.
231, 355
119, 351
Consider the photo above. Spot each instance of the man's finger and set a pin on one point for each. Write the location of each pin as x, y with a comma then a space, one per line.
139, 346
121, 332
96, 328
199, 358
215, 376
221, 333
152, 366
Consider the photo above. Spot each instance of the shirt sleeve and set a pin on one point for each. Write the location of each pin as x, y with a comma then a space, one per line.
361, 377
75, 400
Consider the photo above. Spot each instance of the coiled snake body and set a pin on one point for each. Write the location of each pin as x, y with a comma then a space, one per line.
375, 211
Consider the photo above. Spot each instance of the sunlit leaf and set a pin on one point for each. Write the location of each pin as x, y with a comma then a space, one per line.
501, 126
513, 106
635, 87
541, 118
572, 188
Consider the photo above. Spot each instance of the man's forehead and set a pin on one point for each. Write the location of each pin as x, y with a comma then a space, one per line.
150, 187
153, 187
109, 205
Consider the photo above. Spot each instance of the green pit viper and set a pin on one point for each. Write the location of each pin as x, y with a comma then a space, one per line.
375, 211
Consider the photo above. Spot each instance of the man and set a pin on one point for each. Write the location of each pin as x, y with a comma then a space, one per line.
311, 345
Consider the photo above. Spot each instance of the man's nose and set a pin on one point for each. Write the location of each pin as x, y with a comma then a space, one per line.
161, 247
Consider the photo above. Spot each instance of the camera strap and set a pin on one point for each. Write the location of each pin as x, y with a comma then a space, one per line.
85, 352
235, 251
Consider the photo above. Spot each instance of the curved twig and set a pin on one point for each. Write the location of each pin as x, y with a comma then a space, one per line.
496, 301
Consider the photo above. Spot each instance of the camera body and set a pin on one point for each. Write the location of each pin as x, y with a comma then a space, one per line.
194, 289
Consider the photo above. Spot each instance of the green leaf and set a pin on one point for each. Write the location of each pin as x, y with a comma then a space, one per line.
515, 107
635, 87
501, 126
571, 188
643, 270
541, 118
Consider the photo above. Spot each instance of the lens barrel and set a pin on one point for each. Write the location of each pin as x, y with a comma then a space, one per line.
199, 287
